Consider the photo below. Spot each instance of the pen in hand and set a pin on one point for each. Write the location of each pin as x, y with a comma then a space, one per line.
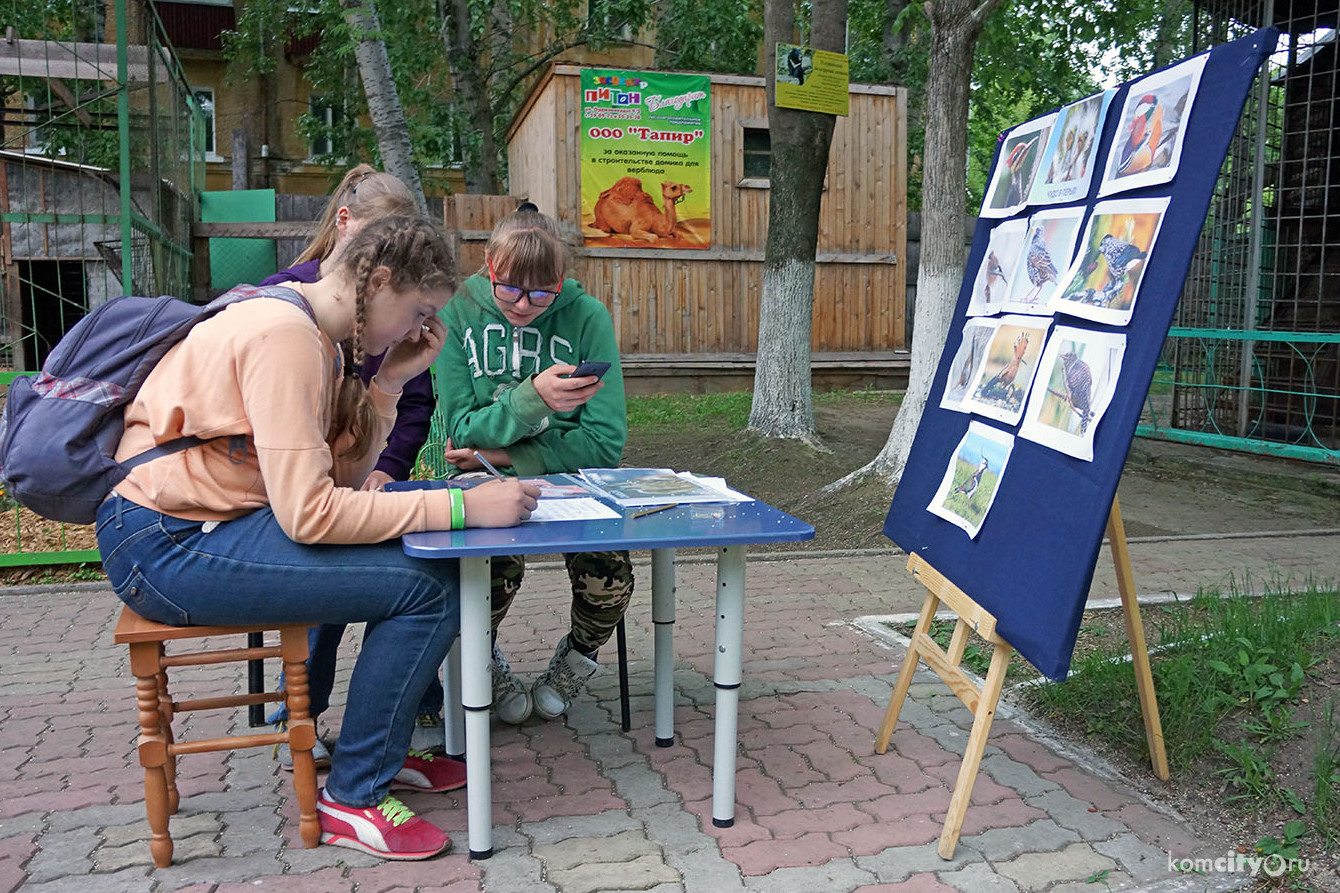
654, 510
489, 465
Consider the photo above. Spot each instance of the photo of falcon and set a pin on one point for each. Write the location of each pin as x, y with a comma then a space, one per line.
1078, 380
1039, 265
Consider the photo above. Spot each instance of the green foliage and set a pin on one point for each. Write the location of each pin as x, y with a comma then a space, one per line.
1326, 778
1195, 701
1248, 774
723, 35
1032, 56
1286, 847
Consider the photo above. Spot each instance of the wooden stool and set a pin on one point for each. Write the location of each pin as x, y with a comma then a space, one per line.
158, 750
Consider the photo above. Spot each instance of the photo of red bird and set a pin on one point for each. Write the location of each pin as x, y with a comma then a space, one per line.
1142, 137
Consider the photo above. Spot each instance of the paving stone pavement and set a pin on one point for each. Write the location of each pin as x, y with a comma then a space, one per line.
581, 807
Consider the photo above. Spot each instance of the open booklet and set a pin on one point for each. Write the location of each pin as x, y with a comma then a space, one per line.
657, 486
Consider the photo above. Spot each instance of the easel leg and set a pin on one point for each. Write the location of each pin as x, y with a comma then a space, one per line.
904, 682
1135, 633
972, 754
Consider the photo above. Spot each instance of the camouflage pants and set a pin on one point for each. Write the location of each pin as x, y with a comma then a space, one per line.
602, 587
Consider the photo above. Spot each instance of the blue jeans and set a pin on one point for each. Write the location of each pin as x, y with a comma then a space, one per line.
323, 645
248, 571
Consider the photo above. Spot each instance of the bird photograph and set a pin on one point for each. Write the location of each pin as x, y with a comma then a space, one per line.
963, 368
1148, 139
1108, 274
999, 267
1000, 386
1039, 266
972, 477
1071, 386
1017, 165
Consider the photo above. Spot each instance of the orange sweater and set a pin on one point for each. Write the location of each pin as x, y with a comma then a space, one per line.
263, 369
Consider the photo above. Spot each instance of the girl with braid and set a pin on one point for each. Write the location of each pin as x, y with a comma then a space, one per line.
266, 522
364, 194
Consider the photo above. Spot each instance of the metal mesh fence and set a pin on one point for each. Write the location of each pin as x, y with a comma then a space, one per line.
97, 153
1253, 359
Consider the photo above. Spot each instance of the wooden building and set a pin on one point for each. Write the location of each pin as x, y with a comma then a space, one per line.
696, 311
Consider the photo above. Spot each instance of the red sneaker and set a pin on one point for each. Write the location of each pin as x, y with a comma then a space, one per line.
425, 772
390, 829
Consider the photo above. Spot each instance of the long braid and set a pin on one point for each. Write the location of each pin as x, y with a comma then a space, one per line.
417, 254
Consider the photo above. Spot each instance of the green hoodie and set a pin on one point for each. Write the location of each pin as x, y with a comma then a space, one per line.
489, 401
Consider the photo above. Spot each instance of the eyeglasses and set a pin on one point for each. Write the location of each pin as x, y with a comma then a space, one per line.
512, 294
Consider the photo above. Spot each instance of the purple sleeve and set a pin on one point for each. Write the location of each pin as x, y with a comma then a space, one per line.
414, 416
307, 271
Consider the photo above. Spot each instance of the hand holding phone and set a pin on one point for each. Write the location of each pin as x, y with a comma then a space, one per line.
590, 367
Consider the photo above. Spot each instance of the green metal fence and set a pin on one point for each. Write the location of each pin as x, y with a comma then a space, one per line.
101, 163
1252, 362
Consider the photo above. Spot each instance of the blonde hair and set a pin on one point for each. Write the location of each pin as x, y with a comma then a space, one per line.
368, 194
417, 254
526, 248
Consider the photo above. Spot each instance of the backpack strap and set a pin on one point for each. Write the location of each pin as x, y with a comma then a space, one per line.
237, 443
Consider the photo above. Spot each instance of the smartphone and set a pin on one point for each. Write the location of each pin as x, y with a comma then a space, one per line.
591, 367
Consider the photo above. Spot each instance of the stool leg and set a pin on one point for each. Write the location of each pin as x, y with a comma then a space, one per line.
165, 713
152, 747
301, 732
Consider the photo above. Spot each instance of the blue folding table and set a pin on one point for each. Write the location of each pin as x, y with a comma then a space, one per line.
735, 526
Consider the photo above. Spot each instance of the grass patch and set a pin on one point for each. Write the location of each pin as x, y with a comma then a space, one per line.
1236, 658
657, 413
725, 411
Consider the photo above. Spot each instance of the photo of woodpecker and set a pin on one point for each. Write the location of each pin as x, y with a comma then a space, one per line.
1017, 167
1081, 369
1002, 384
1103, 282
972, 478
1148, 140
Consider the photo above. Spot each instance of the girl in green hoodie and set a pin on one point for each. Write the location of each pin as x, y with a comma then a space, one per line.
517, 330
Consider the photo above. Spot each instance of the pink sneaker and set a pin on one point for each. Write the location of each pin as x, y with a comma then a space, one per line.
390, 829
425, 772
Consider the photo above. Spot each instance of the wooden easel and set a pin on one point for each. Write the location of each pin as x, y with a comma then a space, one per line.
982, 701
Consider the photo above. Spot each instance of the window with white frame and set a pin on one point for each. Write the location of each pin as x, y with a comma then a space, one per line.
205, 97
324, 109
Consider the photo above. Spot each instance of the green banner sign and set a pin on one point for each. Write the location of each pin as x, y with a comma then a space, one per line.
646, 159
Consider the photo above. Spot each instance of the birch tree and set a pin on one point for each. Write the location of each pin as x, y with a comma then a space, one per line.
384, 108
783, 405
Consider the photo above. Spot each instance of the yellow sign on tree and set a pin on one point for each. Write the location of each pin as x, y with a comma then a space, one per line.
811, 80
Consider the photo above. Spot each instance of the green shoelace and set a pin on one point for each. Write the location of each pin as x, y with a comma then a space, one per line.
395, 812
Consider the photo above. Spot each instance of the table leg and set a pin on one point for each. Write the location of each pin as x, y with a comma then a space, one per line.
726, 678
477, 696
663, 622
454, 713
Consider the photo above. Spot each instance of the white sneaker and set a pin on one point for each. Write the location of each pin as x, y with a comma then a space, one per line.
430, 734
511, 700
568, 673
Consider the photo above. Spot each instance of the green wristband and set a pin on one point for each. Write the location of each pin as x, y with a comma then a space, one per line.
457, 498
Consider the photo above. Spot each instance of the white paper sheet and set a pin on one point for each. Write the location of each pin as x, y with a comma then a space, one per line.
576, 509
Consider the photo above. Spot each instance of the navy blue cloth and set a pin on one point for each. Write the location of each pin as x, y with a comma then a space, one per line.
1033, 559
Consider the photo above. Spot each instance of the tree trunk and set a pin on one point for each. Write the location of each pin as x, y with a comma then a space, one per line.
783, 404
955, 26
388, 116
471, 87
